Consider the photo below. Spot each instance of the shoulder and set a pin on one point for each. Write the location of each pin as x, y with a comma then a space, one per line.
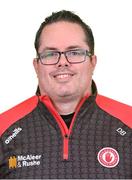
116, 109
12, 115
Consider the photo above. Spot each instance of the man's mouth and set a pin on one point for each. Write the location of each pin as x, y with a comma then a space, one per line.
63, 76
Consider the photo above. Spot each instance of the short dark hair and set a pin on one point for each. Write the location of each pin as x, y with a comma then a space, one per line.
67, 16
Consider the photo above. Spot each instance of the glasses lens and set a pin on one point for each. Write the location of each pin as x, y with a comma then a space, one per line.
76, 56
49, 57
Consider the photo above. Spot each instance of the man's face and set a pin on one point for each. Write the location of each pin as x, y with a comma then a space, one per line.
64, 81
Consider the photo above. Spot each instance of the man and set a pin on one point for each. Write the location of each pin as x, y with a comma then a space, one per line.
67, 130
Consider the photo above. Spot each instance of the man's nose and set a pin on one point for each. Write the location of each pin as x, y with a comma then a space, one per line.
63, 61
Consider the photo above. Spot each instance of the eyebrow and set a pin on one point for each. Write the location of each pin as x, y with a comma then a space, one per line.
49, 48
73, 47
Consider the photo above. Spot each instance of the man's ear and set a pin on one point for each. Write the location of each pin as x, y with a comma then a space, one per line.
35, 64
94, 61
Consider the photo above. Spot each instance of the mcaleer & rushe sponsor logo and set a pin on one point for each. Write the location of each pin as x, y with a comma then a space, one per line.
24, 161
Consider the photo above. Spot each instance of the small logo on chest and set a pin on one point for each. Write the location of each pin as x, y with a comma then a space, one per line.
24, 161
108, 157
121, 131
13, 135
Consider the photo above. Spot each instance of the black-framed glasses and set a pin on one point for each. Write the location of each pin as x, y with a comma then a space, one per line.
74, 56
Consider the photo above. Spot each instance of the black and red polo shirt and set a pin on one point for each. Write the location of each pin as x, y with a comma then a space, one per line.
35, 142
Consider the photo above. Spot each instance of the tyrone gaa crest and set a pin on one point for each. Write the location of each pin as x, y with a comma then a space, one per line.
108, 157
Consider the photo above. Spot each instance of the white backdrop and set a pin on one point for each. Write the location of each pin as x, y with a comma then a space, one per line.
111, 23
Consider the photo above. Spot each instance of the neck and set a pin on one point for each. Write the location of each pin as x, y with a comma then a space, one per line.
67, 104
66, 107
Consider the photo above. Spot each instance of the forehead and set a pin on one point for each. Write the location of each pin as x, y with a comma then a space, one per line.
62, 34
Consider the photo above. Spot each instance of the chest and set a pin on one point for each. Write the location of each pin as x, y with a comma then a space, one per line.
93, 149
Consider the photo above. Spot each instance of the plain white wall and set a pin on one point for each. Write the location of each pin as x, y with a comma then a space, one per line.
111, 23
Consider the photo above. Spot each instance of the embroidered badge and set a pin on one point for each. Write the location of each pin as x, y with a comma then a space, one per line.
108, 157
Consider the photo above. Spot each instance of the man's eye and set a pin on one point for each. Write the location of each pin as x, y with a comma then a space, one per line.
49, 55
76, 53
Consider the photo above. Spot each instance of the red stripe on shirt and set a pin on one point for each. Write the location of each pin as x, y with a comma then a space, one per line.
116, 109
16, 113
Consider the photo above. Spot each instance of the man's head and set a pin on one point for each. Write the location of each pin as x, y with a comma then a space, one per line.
66, 60
66, 16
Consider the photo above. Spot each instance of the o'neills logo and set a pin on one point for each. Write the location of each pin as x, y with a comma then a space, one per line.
108, 157
14, 134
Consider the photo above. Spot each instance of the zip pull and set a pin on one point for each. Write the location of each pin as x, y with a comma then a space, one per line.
65, 147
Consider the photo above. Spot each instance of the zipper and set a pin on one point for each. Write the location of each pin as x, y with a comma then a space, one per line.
65, 147
63, 127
